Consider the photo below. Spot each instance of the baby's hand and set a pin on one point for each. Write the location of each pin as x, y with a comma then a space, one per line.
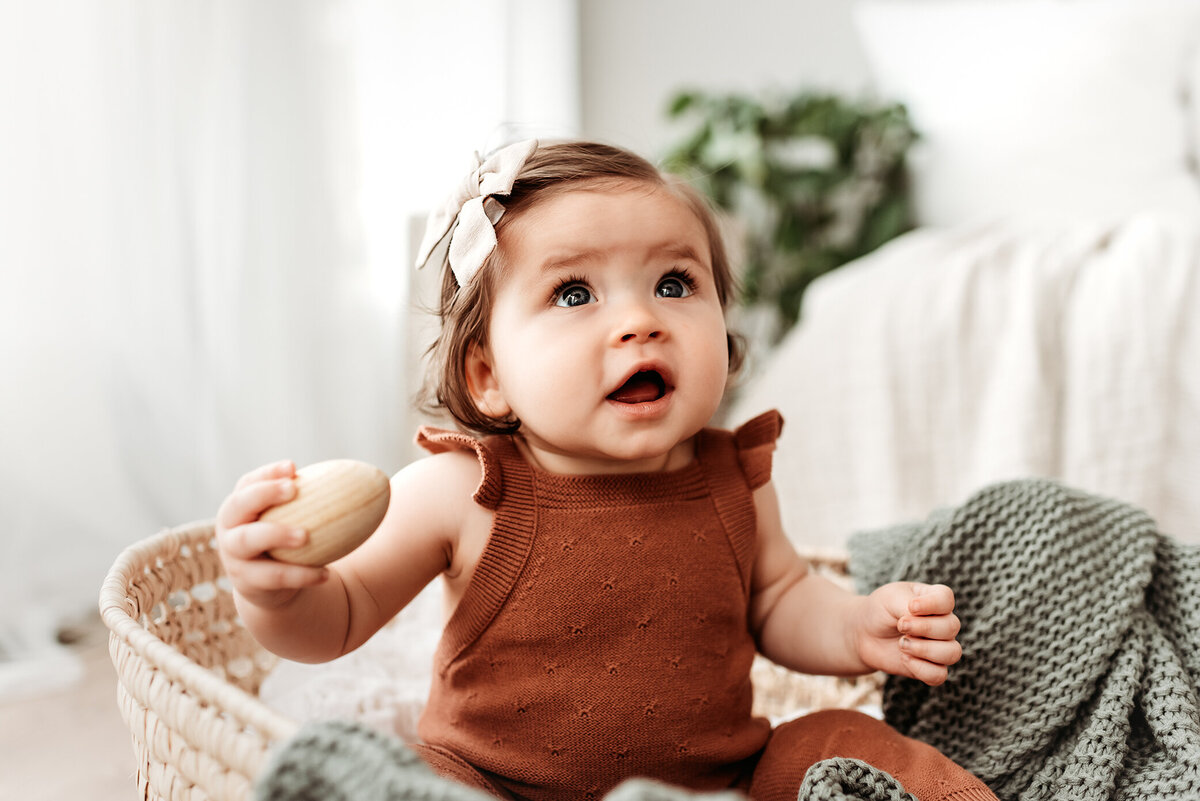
243, 540
909, 629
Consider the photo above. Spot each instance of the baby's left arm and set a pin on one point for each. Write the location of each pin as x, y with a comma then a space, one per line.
807, 623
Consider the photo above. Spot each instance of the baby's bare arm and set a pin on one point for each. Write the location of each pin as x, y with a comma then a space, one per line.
801, 620
318, 614
806, 622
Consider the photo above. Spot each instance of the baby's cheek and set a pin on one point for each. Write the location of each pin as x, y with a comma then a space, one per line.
718, 355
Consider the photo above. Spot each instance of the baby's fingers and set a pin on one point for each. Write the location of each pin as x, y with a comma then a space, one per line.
935, 627
933, 653
269, 575
931, 599
282, 469
251, 540
941, 652
247, 503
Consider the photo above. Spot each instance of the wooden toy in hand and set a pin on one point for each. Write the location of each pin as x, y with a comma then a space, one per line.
339, 503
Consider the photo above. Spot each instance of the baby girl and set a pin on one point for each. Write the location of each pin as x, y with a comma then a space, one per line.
611, 563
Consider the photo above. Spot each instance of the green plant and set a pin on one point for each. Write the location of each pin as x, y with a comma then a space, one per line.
814, 181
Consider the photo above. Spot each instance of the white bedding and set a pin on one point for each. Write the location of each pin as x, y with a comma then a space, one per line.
951, 358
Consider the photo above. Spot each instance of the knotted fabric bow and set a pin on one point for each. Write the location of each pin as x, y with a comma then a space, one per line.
461, 230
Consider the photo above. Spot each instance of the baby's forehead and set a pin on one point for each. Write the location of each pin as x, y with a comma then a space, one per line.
569, 207
629, 188
561, 242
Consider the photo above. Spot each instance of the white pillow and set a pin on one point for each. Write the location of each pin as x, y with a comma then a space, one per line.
1053, 109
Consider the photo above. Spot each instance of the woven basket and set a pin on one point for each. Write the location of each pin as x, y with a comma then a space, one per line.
188, 672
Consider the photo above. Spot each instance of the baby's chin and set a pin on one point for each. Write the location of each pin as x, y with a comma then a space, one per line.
639, 453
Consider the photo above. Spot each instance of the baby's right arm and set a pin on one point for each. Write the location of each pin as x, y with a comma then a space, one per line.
314, 614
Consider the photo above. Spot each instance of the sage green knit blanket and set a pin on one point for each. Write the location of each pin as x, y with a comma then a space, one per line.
1081, 644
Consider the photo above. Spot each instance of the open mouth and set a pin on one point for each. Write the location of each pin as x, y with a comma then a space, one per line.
643, 386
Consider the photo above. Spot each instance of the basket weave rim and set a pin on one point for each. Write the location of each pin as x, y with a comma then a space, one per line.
116, 612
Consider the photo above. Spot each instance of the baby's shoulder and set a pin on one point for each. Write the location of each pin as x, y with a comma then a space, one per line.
439, 489
453, 474
477, 460
433, 497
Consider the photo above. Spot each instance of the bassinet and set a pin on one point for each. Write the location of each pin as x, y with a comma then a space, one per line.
188, 672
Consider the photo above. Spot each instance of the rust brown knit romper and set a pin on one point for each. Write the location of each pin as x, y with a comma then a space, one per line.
605, 634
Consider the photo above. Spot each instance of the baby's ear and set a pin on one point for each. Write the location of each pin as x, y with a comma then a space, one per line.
483, 385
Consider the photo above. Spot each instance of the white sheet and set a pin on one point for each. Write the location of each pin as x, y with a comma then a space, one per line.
953, 358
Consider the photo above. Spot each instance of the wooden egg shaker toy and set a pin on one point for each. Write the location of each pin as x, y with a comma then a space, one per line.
339, 503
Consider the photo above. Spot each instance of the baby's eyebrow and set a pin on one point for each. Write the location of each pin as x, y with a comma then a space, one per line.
677, 250
575, 259
570, 260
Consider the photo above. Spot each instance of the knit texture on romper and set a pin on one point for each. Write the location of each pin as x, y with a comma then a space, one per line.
605, 631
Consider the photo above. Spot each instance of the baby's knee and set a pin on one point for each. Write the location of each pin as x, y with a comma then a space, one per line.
450, 766
797, 745
829, 733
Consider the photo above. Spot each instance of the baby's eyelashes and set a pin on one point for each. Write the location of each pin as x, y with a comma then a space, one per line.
676, 284
575, 295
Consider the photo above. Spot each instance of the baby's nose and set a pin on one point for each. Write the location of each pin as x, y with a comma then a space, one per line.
638, 323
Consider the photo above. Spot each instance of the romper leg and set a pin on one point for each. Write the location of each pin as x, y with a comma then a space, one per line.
450, 766
796, 745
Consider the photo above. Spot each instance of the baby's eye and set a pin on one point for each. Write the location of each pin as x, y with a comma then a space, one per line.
573, 295
673, 287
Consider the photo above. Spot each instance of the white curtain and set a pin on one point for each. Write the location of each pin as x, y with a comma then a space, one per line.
206, 216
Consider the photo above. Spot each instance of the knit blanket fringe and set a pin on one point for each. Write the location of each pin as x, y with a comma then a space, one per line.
1081, 644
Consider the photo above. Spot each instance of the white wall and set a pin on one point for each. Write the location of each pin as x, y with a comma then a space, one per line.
636, 54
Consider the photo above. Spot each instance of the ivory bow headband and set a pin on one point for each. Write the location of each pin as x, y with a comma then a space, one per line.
461, 230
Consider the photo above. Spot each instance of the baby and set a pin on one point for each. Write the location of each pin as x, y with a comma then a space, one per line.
611, 564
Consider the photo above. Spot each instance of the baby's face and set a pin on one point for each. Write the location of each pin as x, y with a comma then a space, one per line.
607, 338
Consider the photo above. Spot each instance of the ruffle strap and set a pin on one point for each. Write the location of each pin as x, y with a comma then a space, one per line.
755, 440
491, 484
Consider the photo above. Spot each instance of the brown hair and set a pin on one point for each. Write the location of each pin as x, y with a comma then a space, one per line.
466, 311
